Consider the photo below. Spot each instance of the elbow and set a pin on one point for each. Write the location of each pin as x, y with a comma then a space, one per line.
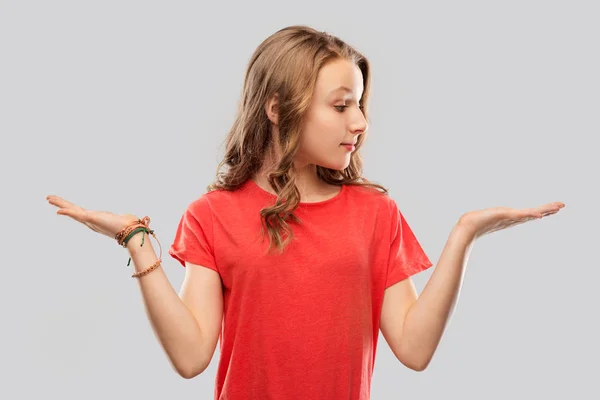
417, 363
416, 357
420, 367
187, 374
195, 364
417, 366
191, 371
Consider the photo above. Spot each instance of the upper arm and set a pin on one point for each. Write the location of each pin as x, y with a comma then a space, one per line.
202, 293
397, 299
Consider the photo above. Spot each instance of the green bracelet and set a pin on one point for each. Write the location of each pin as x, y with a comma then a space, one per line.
136, 230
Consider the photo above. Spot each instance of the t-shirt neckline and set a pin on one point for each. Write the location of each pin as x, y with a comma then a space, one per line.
257, 189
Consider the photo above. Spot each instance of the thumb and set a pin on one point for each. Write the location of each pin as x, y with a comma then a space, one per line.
70, 213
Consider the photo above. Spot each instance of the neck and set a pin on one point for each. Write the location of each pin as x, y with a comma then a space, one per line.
308, 183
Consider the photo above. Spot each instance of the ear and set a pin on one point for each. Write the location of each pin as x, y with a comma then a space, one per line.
272, 109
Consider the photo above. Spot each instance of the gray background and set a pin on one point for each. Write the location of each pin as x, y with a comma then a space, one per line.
123, 106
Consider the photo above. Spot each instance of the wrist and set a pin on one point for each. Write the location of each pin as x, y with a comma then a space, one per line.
134, 244
464, 230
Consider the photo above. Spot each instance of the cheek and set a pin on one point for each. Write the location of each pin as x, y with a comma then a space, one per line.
319, 138
322, 126
327, 121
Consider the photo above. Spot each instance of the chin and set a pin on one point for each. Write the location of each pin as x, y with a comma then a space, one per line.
337, 166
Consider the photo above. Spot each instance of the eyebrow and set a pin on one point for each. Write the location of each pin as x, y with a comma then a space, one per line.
344, 88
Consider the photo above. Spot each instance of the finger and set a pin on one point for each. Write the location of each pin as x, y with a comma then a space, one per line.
557, 205
59, 202
541, 211
76, 214
62, 203
549, 212
551, 209
529, 214
544, 212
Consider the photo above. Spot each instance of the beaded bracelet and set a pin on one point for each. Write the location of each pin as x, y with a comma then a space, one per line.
147, 270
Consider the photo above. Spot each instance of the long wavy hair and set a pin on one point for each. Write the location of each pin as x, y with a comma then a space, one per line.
286, 63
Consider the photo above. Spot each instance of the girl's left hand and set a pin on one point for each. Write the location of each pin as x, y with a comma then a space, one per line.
482, 222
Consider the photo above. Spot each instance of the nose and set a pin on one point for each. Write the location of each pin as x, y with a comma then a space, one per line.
359, 124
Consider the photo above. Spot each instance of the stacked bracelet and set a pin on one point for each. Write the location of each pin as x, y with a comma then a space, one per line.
123, 237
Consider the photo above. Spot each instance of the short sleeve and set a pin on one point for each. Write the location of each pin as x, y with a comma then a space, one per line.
194, 236
407, 257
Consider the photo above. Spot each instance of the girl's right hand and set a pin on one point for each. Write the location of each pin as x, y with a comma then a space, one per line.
103, 222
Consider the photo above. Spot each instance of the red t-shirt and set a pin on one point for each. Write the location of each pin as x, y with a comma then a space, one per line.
303, 324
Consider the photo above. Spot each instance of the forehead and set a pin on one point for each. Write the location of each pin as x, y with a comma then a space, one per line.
340, 77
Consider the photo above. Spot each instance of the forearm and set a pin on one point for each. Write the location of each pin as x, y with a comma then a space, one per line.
174, 325
427, 318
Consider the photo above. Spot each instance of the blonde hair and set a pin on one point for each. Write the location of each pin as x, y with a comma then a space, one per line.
286, 63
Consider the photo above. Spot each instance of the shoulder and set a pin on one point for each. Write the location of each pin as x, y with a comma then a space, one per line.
373, 198
218, 200
206, 201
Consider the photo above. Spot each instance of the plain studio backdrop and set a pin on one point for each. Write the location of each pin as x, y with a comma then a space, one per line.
123, 106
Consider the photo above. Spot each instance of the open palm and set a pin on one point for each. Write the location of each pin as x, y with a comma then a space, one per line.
103, 222
482, 222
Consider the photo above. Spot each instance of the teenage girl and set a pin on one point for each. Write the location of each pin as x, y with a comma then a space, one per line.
294, 260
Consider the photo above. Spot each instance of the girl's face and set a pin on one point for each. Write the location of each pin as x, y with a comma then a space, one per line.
334, 117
